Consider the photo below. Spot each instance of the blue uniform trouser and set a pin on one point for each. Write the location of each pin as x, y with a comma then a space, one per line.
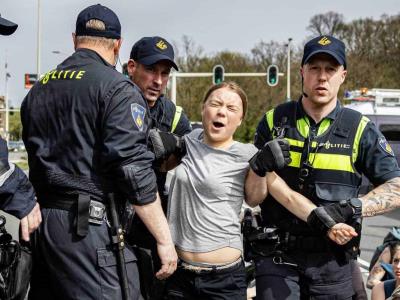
317, 276
67, 266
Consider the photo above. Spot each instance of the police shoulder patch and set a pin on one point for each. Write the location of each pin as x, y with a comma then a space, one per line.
383, 143
138, 112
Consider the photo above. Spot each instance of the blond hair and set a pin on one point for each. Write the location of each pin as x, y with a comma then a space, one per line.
96, 41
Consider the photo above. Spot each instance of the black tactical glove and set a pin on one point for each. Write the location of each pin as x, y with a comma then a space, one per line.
320, 220
325, 217
4, 165
163, 144
273, 156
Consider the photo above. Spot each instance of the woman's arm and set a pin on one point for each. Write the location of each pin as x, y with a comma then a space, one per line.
256, 189
296, 203
377, 272
378, 292
301, 207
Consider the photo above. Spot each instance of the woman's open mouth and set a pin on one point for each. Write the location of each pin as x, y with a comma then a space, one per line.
217, 124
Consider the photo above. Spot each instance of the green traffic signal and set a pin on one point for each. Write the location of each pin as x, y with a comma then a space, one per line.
272, 75
218, 80
218, 74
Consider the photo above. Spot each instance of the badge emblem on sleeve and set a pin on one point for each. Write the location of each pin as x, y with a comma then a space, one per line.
138, 113
385, 146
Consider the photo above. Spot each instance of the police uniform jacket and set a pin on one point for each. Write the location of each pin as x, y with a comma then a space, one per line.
85, 130
16, 192
328, 158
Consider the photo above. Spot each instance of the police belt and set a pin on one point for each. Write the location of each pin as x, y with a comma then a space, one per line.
290, 243
87, 210
312, 244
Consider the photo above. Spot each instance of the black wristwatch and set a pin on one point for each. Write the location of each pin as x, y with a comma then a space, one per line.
356, 203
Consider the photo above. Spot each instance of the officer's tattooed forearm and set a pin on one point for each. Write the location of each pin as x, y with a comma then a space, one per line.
382, 199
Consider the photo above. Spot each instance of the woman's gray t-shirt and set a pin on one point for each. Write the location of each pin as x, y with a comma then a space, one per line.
206, 194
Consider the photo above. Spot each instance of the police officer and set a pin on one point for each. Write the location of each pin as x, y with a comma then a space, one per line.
85, 128
149, 66
17, 196
330, 147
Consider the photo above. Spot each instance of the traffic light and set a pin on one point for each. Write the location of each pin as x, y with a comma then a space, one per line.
218, 74
272, 75
30, 80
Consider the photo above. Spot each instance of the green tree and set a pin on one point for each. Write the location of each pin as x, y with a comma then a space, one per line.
373, 51
15, 126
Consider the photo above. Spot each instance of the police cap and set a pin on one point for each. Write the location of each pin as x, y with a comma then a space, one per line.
102, 13
7, 27
150, 50
325, 44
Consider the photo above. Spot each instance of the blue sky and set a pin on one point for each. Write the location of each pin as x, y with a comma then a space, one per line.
215, 25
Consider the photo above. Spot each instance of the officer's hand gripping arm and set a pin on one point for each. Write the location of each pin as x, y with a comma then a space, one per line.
325, 218
340, 212
274, 155
163, 144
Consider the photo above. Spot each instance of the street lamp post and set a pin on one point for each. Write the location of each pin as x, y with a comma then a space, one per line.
288, 70
6, 129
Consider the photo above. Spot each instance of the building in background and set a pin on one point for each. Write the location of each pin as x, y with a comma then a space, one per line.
381, 106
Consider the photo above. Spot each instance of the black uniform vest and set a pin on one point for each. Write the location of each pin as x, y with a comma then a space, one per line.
322, 167
165, 115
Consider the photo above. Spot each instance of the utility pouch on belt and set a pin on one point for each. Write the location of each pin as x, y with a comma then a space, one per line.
97, 212
89, 211
257, 241
264, 241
